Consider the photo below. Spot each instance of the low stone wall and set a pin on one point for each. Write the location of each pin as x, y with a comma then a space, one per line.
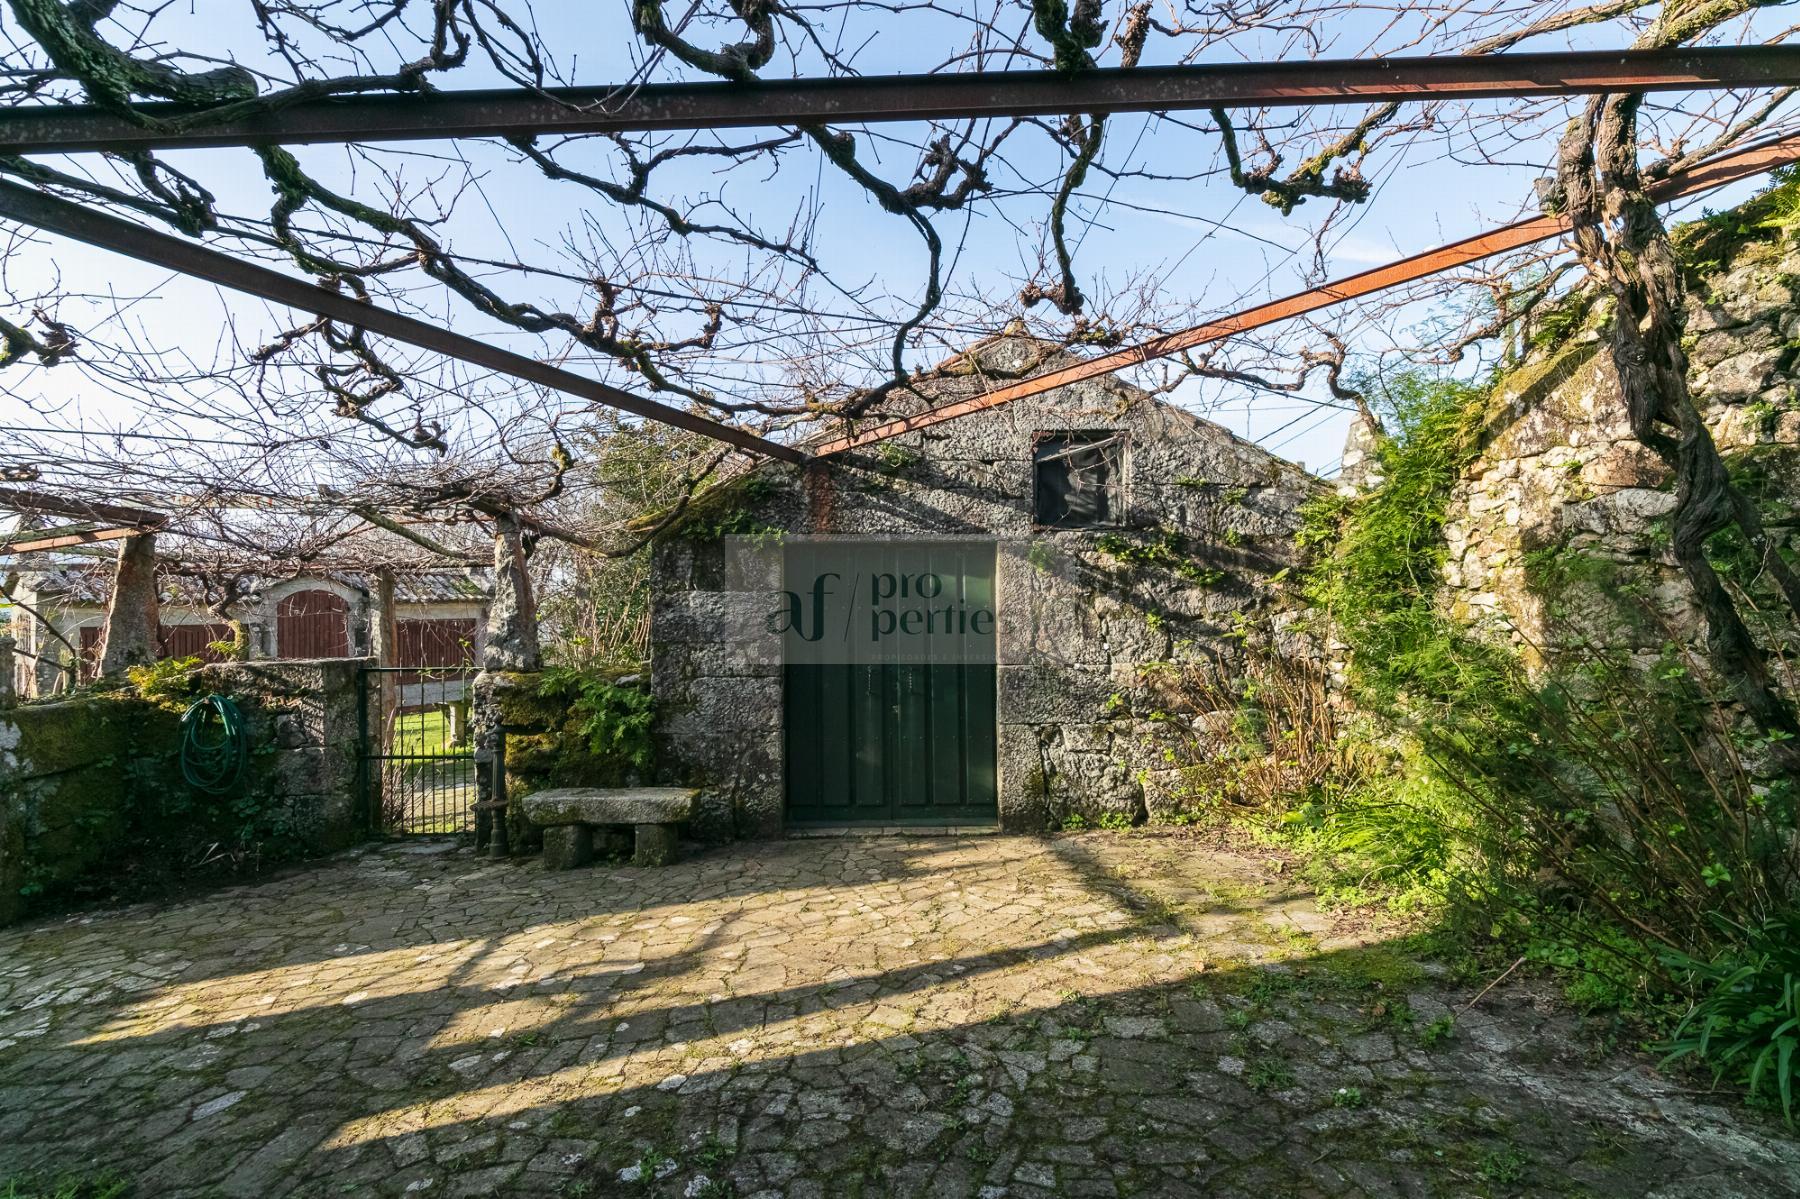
93, 803
306, 722
547, 744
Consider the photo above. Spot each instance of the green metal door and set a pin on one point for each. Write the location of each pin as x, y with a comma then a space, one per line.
876, 740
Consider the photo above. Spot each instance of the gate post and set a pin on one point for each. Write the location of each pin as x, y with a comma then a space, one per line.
384, 633
509, 645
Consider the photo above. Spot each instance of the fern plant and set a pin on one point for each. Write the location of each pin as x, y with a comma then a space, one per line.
617, 722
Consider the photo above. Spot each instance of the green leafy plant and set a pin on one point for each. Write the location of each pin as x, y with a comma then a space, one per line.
1165, 549
1438, 1031
618, 722
1746, 1023
1269, 1074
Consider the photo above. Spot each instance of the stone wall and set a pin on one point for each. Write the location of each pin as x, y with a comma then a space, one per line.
1083, 615
93, 804
306, 721
1558, 533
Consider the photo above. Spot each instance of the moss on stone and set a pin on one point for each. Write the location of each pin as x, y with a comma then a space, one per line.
521, 704
1373, 967
532, 753
729, 508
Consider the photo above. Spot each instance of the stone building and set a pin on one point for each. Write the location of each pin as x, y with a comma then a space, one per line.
1067, 545
440, 618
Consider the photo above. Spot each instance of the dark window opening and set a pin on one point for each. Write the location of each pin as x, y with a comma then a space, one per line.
1080, 479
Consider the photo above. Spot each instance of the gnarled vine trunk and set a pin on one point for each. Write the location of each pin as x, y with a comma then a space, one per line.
1621, 239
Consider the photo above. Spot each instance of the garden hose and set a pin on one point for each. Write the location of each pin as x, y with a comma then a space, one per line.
214, 746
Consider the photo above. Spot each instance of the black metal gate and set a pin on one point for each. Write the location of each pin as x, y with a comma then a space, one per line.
420, 763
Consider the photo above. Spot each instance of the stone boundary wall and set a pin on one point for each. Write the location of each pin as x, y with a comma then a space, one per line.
306, 721
1558, 531
93, 804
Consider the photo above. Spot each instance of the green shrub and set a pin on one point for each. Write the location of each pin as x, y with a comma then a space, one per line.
1392, 835
1746, 1022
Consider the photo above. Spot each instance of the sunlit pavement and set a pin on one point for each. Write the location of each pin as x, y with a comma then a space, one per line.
1092, 1014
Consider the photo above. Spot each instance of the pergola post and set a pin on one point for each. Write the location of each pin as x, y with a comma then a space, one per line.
383, 638
129, 638
9, 684
510, 646
512, 627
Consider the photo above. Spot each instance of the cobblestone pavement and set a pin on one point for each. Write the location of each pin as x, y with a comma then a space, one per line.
1086, 1015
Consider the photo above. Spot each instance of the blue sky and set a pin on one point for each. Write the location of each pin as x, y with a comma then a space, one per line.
1203, 248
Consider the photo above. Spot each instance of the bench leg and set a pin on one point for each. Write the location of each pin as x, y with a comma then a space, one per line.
567, 846
655, 845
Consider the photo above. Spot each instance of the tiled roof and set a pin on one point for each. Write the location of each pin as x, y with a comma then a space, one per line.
90, 585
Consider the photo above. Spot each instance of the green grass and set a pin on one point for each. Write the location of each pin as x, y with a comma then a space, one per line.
425, 732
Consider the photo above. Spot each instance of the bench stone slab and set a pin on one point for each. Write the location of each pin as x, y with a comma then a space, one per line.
610, 805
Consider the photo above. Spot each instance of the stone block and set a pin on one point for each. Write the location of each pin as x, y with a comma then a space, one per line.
712, 822
568, 846
1742, 376
654, 845
1054, 692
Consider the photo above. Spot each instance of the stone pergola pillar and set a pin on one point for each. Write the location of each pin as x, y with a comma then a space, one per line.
129, 638
9, 683
512, 627
384, 643
510, 647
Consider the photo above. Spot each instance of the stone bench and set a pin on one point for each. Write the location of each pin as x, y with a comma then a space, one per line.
570, 815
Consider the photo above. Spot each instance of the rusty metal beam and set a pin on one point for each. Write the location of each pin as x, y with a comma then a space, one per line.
43, 211
66, 540
1727, 168
515, 113
22, 500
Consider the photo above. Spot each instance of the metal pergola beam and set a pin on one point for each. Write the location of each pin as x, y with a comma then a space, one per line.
518, 113
46, 212
1729, 168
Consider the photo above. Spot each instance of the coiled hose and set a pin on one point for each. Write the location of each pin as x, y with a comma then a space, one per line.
214, 746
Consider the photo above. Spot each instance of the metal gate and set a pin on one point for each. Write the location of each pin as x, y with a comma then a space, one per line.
419, 764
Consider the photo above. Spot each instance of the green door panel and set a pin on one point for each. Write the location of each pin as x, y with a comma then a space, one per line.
893, 741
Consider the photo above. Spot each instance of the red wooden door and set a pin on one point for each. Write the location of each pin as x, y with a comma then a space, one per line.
192, 640
312, 624
435, 642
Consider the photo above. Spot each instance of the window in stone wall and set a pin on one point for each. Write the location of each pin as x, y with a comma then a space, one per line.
1080, 479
